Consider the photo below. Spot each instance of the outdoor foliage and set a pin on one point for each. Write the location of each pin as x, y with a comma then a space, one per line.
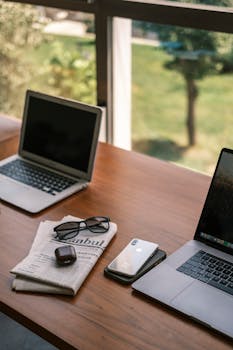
196, 54
31, 59
158, 112
72, 73
65, 66
15, 73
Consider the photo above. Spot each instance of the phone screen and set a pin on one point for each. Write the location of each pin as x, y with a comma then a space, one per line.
133, 257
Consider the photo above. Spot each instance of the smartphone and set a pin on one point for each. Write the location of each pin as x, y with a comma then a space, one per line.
133, 257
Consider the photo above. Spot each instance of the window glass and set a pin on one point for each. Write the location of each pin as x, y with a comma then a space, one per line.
182, 85
45, 49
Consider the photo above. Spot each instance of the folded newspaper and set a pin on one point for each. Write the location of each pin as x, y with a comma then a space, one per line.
39, 272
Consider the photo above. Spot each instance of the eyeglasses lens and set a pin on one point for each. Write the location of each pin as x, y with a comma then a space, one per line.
97, 224
67, 230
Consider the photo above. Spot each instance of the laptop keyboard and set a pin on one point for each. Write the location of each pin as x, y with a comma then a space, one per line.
210, 269
36, 177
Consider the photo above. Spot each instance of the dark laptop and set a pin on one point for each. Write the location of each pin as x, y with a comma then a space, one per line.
56, 153
198, 278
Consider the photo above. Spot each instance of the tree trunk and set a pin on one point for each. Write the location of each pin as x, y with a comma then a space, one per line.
192, 93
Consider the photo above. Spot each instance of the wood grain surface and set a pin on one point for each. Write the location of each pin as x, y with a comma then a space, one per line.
148, 199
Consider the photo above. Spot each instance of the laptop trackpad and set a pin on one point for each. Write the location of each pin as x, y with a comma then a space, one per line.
208, 305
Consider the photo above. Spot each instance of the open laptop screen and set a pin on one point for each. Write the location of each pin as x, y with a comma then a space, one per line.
216, 221
59, 131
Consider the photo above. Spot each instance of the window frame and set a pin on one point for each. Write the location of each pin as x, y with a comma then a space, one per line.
212, 18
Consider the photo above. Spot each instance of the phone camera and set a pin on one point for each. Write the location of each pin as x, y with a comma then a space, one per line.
134, 242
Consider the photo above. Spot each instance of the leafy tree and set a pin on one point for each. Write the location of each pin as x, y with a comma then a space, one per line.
195, 55
25, 62
20, 29
72, 72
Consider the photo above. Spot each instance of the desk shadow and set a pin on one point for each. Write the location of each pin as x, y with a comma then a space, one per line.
161, 148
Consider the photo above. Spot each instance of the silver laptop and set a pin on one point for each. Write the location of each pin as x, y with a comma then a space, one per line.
56, 152
198, 278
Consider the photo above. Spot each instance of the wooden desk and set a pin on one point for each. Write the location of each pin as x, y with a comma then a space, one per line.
147, 198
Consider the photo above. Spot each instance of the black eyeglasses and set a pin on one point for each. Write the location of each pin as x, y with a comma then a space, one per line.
95, 224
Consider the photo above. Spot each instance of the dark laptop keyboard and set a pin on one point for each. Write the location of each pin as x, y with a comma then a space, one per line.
35, 176
211, 270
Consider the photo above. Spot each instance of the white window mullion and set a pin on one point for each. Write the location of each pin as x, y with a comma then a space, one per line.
122, 83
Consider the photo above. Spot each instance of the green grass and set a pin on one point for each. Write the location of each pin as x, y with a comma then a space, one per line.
159, 112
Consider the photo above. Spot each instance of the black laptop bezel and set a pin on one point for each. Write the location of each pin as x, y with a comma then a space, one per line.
85, 175
197, 235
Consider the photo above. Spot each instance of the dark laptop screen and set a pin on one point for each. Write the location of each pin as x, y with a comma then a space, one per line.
216, 222
59, 132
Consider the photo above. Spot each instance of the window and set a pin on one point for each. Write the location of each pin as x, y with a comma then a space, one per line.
105, 16
182, 104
